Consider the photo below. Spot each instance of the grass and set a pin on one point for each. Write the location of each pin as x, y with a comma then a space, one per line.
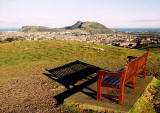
150, 98
24, 52
30, 57
27, 58
79, 108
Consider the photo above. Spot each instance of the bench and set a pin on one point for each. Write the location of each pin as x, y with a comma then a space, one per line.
123, 76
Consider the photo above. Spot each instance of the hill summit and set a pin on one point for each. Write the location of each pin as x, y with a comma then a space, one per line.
90, 27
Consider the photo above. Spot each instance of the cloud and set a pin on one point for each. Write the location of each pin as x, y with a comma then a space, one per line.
3, 21
147, 20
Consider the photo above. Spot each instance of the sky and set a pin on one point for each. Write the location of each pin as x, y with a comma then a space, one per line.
61, 13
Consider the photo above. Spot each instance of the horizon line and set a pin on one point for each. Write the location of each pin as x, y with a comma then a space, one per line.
106, 27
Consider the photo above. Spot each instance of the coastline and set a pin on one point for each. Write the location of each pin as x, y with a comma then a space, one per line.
9, 29
117, 29
137, 29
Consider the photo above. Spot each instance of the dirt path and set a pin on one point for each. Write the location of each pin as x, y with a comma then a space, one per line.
29, 95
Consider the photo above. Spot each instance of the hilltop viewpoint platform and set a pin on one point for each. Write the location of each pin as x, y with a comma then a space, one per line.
82, 92
86, 98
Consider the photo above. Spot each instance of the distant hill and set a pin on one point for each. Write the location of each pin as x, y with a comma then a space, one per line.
39, 29
90, 27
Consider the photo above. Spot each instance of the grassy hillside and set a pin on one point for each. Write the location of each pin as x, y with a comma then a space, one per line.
63, 51
107, 57
39, 29
90, 27
25, 58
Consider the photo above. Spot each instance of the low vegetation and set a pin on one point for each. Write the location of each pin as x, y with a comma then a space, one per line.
150, 100
24, 58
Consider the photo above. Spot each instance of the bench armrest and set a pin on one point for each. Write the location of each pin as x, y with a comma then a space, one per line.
130, 58
115, 74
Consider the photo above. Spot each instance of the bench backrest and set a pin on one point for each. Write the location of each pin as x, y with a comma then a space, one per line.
134, 66
142, 60
131, 71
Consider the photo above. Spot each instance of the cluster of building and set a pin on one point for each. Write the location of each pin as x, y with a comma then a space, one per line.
117, 39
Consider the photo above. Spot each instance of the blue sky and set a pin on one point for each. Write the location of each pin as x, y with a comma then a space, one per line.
60, 13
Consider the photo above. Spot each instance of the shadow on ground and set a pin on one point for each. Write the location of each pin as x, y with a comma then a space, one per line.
80, 80
74, 76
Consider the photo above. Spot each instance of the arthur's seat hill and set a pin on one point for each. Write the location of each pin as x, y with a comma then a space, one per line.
89, 27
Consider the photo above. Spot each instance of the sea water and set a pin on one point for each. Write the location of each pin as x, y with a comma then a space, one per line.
137, 29
9, 29
117, 29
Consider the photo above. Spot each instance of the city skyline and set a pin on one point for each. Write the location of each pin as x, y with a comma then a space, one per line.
61, 13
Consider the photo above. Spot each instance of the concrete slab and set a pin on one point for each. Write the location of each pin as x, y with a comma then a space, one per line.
86, 96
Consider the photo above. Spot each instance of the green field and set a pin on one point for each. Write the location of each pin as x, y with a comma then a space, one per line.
25, 58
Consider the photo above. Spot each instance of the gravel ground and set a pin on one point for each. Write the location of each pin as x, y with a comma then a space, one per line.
33, 95
30, 95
